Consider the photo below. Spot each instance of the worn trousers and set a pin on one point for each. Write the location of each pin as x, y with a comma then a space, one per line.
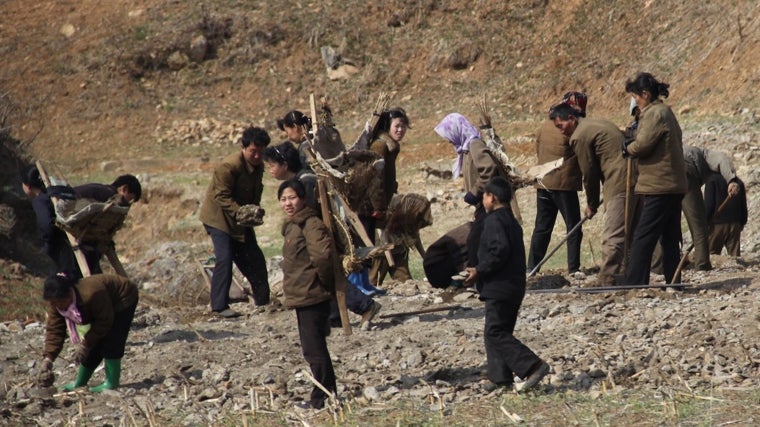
728, 235
250, 261
613, 236
505, 354
693, 206
548, 203
112, 346
313, 328
660, 220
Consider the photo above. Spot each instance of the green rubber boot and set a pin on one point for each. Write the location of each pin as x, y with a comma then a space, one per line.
113, 375
83, 375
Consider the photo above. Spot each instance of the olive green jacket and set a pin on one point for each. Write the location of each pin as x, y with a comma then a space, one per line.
552, 145
659, 150
235, 183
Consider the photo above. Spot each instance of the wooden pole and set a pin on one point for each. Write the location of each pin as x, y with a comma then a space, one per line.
78, 254
341, 281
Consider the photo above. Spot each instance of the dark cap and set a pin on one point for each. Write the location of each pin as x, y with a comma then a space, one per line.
292, 118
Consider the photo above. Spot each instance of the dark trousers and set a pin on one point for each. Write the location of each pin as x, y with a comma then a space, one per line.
548, 203
313, 328
505, 354
660, 220
250, 261
113, 344
473, 238
356, 301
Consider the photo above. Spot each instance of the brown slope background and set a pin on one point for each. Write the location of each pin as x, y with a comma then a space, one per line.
91, 83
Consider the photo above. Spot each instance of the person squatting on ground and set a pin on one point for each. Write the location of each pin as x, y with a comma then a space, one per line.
597, 142
558, 190
725, 226
308, 283
475, 163
236, 183
389, 131
661, 181
499, 277
96, 312
282, 163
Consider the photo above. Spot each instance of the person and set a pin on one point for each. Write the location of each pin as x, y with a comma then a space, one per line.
389, 132
127, 187
726, 223
475, 164
446, 257
282, 163
55, 244
661, 182
558, 190
499, 277
96, 312
596, 143
293, 124
236, 184
308, 283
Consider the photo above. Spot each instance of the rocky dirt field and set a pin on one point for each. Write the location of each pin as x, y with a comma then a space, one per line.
160, 89
607, 350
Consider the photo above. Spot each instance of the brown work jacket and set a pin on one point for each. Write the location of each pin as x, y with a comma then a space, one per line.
307, 265
659, 150
235, 183
99, 298
552, 145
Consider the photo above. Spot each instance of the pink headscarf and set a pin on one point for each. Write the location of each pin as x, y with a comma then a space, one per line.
460, 133
73, 317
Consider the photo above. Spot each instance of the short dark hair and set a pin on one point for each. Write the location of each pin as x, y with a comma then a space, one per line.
256, 135
500, 188
646, 82
58, 286
31, 177
132, 183
563, 111
295, 184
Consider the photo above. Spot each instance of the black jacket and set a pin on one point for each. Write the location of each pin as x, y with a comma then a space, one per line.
716, 192
501, 257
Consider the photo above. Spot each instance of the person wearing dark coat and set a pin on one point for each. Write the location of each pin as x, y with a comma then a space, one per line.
96, 313
308, 283
499, 278
726, 224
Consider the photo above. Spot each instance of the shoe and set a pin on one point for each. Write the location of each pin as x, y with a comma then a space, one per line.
305, 409
368, 315
227, 313
536, 376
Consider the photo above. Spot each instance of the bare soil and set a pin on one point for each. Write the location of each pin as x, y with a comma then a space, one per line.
102, 88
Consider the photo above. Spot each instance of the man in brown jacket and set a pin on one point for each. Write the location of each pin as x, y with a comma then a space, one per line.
557, 191
597, 143
237, 182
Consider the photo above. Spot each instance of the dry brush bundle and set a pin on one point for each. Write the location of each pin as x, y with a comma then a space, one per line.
407, 214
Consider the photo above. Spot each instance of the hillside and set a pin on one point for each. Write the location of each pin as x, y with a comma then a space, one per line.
162, 88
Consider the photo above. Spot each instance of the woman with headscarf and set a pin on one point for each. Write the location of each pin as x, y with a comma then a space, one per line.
475, 163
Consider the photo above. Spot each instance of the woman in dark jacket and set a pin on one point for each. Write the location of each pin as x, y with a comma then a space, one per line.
308, 283
96, 313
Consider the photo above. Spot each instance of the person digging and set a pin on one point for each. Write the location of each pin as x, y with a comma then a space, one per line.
96, 312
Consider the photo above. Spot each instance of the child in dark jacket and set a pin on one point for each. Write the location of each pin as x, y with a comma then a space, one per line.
500, 280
